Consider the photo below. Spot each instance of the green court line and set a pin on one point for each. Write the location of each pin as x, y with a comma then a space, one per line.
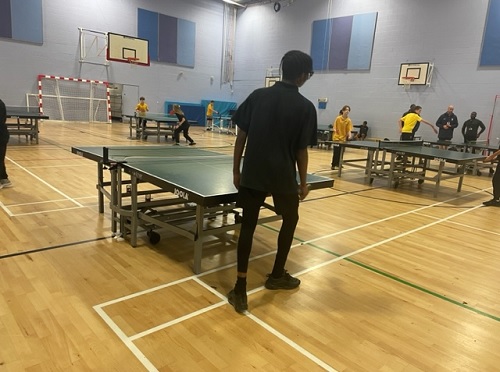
399, 280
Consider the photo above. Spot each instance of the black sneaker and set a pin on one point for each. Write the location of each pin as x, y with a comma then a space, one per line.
192, 143
492, 203
238, 300
285, 282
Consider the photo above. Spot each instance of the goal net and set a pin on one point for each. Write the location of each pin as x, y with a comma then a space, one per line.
73, 99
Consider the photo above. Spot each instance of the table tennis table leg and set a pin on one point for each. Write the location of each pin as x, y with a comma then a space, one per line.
341, 158
34, 129
116, 197
133, 211
100, 185
438, 177
392, 169
462, 174
369, 165
198, 240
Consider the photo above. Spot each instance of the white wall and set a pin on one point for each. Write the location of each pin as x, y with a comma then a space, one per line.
447, 33
59, 54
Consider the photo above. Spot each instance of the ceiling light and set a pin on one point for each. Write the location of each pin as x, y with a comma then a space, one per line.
234, 3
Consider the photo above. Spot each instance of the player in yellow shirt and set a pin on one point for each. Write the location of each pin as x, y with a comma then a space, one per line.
210, 114
409, 121
342, 127
141, 109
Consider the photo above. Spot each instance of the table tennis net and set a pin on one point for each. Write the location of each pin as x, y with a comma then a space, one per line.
389, 144
177, 159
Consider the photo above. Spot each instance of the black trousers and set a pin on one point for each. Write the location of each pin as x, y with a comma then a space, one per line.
496, 183
286, 205
184, 128
336, 156
3, 152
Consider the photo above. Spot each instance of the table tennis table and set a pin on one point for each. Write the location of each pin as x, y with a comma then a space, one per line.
484, 147
399, 160
26, 124
224, 124
159, 125
199, 184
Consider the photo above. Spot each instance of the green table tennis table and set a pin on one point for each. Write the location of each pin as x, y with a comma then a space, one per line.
159, 125
484, 147
27, 122
400, 160
199, 184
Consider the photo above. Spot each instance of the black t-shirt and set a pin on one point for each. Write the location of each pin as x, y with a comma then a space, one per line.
278, 121
179, 118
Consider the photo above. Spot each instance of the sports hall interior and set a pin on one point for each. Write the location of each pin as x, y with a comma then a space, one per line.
393, 279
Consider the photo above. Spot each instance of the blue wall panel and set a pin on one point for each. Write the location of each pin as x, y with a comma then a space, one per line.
343, 43
21, 20
490, 54
362, 37
147, 28
186, 33
321, 34
27, 24
171, 39
168, 39
5, 21
339, 45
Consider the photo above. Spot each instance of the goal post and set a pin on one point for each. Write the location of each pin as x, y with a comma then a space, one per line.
74, 99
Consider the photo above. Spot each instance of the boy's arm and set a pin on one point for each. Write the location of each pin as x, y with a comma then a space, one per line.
430, 125
302, 162
239, 146
492, 156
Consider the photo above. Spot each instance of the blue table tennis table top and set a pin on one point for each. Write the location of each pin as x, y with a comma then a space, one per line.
197, 175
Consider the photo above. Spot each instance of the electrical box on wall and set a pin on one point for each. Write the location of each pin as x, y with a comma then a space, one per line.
322, 103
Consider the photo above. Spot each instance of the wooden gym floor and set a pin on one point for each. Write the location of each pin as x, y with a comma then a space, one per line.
392, 279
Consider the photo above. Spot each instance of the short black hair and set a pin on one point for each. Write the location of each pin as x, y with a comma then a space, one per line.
295, 63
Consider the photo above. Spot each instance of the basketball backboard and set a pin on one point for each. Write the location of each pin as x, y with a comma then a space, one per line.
419, 73
122, 48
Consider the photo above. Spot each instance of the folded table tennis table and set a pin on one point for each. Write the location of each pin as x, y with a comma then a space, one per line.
200, 181
399, 160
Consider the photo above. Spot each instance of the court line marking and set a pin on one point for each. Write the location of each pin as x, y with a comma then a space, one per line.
11, 214
462, 224
266, 326
45, 182
127, 342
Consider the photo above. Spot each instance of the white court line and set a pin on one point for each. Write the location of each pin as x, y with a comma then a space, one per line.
45, 183
462, 224
291, 343
388, 218
128, 340
7, 210
368, 247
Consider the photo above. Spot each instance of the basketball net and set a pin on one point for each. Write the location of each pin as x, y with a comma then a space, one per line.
407, 82
133, 61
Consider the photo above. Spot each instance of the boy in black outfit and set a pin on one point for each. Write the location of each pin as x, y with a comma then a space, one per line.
4, 139
269, 166
495, 202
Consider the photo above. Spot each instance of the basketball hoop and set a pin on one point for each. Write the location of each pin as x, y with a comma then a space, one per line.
133, 61
407, 81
